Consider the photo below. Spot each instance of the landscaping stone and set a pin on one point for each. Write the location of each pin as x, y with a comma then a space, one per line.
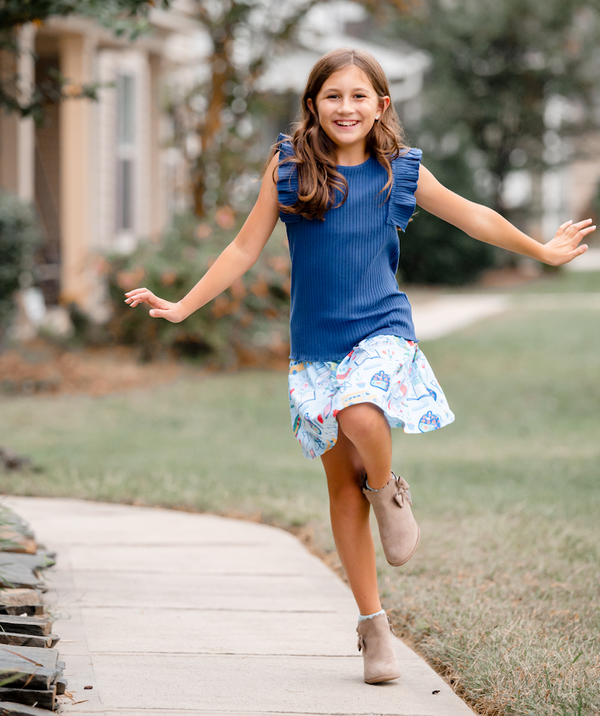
30, 670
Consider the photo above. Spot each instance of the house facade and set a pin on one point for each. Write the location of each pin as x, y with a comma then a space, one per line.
98, 172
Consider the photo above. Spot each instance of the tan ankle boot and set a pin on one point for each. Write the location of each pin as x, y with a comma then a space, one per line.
376, 642
398, 528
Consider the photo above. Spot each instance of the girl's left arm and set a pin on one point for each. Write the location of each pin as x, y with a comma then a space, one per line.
487, 225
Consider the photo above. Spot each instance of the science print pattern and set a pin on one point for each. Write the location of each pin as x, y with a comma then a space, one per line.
387, 371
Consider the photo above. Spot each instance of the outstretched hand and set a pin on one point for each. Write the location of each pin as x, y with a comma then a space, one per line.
159, 308
564, 247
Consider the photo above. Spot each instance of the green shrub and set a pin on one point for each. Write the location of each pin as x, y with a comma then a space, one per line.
246, 324
19, 235
434, 252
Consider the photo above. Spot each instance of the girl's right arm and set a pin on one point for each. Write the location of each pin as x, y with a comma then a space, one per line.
233, 262
486, 225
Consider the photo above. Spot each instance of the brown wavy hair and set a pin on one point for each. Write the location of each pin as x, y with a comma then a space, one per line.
315, 152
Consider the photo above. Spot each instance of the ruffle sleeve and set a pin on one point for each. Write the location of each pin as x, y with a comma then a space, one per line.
287, 182
401, 206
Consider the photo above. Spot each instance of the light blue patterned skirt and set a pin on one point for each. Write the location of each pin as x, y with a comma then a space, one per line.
387, 371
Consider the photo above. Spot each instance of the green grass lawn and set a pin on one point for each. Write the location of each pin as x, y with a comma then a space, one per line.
550, 281
563, 282
503, 594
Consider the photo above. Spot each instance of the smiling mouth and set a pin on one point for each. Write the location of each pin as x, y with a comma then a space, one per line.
346, 122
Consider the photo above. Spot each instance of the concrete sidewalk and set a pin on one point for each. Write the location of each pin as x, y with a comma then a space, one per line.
166, 612
442, 314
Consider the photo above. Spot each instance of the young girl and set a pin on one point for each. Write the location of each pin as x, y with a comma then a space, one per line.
343, 184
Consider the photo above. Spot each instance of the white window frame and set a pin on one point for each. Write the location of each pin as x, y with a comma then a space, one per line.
114, 148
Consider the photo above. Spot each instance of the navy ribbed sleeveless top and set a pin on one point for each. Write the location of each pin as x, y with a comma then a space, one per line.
344, 286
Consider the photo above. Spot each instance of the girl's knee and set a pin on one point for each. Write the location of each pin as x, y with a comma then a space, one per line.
361, 418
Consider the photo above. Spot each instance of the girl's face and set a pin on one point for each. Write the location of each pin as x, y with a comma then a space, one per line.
347, 107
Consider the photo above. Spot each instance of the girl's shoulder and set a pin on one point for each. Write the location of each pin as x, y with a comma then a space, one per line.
408, 159
405, 169
287, 178
285, 146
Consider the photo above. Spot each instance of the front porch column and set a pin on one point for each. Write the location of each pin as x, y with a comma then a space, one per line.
26, 128
158, 180
76, 64
17, 134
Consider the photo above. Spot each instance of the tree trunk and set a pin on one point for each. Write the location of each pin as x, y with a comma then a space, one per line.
221, 72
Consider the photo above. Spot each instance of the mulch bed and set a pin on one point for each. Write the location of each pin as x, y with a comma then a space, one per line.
40, 367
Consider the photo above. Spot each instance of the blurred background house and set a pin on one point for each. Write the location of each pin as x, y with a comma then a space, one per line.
99, 173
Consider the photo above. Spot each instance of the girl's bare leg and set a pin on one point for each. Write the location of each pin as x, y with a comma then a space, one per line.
367, 428
350, 521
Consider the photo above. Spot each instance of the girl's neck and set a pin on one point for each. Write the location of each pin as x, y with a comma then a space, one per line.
351, 156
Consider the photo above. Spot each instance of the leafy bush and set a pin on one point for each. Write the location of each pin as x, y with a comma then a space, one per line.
247, 324
19, 235
434, 252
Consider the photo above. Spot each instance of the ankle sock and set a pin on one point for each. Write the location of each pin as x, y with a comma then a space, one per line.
363, 617
372, 489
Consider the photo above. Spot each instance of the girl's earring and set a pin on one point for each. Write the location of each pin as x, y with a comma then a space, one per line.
376, 119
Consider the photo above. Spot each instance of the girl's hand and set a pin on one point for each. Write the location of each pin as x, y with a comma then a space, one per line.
564, 247
159, 308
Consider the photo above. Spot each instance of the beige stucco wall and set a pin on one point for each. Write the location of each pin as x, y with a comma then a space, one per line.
69, 165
